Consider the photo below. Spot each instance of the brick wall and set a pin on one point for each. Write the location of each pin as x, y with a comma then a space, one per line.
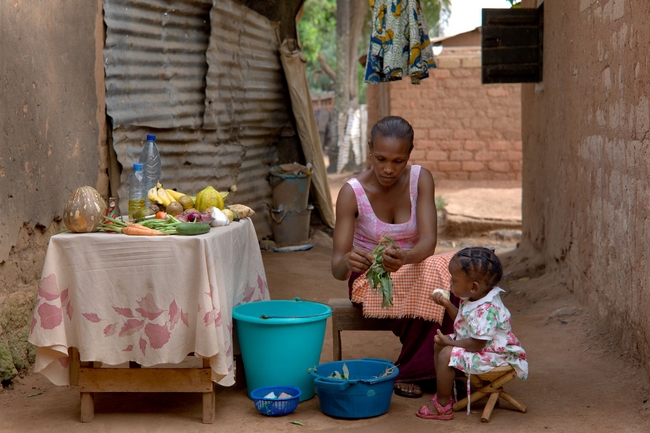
464, 130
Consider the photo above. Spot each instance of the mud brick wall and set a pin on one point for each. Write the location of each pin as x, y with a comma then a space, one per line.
464, 130
586, 137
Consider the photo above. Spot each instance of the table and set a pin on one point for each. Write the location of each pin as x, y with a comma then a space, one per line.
113, 299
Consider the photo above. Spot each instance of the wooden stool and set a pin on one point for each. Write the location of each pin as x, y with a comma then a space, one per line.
491, 383
346, 317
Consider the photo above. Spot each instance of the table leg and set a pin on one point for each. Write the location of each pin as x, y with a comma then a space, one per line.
209, 406
73, 353
209, 399
87, 406
87, 398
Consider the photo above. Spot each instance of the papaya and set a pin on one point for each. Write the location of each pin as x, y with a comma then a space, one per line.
208, 197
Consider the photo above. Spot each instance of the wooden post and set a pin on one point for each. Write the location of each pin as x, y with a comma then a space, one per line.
209, 406
383, 97
87, 406
73, 353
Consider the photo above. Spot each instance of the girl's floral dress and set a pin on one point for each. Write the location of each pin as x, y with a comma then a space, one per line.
487, 319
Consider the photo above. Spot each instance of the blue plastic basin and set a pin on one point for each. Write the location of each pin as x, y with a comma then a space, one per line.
366, 393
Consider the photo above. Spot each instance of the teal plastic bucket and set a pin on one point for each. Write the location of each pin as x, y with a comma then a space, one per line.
280, 341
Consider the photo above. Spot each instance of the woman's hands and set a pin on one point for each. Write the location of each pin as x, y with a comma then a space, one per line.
393, 258
359, 261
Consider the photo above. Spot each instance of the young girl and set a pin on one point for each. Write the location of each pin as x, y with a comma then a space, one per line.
482, 337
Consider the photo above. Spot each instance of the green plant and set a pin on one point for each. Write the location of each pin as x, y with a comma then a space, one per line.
377, 276
441, 202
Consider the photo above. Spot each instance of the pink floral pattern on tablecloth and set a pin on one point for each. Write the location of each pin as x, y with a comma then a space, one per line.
157, 334
49, 303
262, 290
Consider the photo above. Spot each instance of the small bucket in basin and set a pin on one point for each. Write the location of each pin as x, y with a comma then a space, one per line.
365, 392
280, 341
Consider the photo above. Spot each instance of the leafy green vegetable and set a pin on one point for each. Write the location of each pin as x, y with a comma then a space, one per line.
378, 277
336, 375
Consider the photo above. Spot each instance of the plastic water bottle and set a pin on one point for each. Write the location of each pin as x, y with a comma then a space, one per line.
137, 191
151, 163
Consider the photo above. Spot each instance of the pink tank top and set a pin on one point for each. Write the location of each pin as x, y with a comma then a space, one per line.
369, 229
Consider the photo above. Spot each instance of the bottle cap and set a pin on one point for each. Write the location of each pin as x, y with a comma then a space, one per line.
151, 137
137, 166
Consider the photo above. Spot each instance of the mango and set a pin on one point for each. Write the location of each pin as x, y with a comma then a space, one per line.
208, 197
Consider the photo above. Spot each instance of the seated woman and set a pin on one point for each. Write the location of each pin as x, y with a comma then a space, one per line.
397, 200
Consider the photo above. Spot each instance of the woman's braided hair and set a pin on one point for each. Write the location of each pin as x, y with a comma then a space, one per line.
394, 127
481, 263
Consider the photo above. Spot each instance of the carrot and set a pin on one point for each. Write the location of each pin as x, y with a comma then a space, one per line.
139, 230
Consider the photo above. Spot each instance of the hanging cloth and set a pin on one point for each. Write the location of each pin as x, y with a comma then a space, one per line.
399, 42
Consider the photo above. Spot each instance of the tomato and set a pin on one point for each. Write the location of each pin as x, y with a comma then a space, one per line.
161, 215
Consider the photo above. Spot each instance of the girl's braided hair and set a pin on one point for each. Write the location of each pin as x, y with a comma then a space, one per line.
481, 263
394, 127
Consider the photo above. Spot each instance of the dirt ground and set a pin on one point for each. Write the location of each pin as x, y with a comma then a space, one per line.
580, 380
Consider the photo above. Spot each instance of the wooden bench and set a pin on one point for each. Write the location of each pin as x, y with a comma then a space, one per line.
346, 317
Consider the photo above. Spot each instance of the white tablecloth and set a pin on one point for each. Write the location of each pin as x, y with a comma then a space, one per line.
152, 300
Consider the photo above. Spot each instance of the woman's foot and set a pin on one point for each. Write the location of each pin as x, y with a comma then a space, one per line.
439, 412
408, 390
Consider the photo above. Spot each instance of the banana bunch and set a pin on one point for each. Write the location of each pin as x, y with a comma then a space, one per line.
158, 195
152, 195
161, 196
174, 195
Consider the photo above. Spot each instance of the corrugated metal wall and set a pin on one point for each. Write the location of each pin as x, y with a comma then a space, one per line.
154, 86
154, 59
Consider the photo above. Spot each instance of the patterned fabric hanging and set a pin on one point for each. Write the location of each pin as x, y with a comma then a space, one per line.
399, 42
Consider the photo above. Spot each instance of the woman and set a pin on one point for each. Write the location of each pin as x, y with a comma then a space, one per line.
397, 200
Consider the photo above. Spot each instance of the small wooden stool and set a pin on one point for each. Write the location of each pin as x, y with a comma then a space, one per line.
491, 383
346, 317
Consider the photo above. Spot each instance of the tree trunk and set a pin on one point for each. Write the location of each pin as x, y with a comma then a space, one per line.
358, 12
342, 89
322, 61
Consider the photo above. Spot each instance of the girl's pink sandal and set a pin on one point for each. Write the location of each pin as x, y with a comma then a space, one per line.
442, 413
